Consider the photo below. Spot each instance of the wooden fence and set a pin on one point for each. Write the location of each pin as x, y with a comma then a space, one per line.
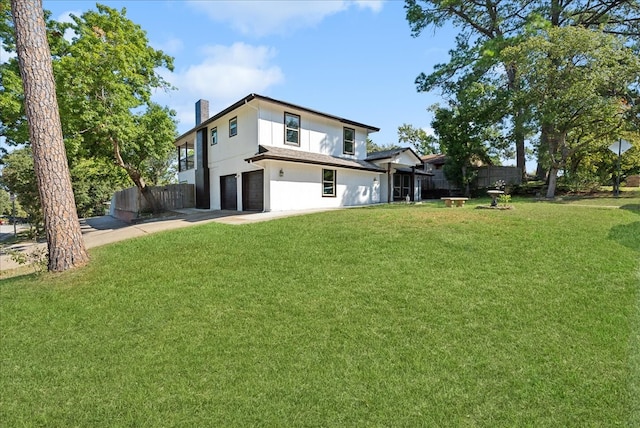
127, 204
488, 175
438, 185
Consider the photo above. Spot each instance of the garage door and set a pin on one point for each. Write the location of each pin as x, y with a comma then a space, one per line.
253, 191
228, 192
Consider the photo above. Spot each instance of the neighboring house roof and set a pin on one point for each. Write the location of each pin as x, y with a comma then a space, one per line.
388, 154
290, 155
414, 171
252, 97
438, 159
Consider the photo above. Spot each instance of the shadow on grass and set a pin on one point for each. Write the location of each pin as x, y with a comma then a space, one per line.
634, 208
627, 235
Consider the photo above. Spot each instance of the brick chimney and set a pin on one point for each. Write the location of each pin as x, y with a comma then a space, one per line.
202, 111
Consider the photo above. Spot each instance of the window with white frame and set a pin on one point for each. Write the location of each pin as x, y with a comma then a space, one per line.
349, 138
214, 136
233, 126
328, 182
292, 129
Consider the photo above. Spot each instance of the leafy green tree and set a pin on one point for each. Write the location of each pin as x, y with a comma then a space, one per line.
575, 81
94, 182
423, 143
19, 177
468, 134
111, 114
5, 202
105, 78
373, 147
489, 26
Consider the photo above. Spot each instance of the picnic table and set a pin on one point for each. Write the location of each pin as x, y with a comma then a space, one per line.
450, 200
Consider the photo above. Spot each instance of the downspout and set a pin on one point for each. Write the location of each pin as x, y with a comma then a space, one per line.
389, 183
413, 184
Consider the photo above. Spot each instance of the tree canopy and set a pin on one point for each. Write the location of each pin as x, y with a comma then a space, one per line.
487, 28
576, 82
105, 77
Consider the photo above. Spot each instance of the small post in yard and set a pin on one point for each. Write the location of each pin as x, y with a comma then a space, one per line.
619, 148
12, 197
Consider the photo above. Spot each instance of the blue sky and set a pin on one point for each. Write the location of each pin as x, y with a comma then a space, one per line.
355, 59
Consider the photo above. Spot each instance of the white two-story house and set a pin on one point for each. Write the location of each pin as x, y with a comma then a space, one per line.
262, 154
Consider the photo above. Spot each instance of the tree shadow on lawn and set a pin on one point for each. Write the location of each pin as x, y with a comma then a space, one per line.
627, 235
634, 208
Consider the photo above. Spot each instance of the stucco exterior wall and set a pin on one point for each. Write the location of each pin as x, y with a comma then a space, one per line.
300, 187
317, 134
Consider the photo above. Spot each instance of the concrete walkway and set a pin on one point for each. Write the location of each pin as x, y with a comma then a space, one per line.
104, 230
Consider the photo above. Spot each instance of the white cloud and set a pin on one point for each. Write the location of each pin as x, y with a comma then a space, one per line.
226, 74
374, 5
171, 46
231, 72
260, 18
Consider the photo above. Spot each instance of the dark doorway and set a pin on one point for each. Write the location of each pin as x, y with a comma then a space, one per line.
253, 191
203, 191
401, 186
229, 192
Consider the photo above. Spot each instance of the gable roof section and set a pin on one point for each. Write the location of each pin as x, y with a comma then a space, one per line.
252, 97
437, 159
390, 154
299, 156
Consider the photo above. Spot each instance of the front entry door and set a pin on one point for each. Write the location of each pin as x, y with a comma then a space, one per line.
229, 192
401, 186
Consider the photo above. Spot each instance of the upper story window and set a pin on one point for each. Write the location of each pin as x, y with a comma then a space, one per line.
349, 140
233, 126
214, 136
292, 129
328, 182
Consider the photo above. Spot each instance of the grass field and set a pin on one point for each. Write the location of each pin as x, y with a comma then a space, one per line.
402, 315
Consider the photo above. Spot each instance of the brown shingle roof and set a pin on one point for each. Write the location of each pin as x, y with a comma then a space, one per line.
299, 156
438, 159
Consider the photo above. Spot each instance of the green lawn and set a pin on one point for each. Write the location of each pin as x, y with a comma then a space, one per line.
403, 315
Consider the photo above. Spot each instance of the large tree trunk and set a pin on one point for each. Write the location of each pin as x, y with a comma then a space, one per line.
518, 121
64, 237
556, 141
553, 181
136, 177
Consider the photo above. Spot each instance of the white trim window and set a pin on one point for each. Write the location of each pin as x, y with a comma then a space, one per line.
214, 136
328, 182
348, 141
233, 126
291, 129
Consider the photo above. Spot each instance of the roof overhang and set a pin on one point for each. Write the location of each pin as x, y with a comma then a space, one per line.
298, 156
404, 156
251, 97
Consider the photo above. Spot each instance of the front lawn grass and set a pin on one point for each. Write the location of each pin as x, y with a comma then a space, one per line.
402, 315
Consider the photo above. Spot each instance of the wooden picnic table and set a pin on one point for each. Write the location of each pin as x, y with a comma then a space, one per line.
449, 200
